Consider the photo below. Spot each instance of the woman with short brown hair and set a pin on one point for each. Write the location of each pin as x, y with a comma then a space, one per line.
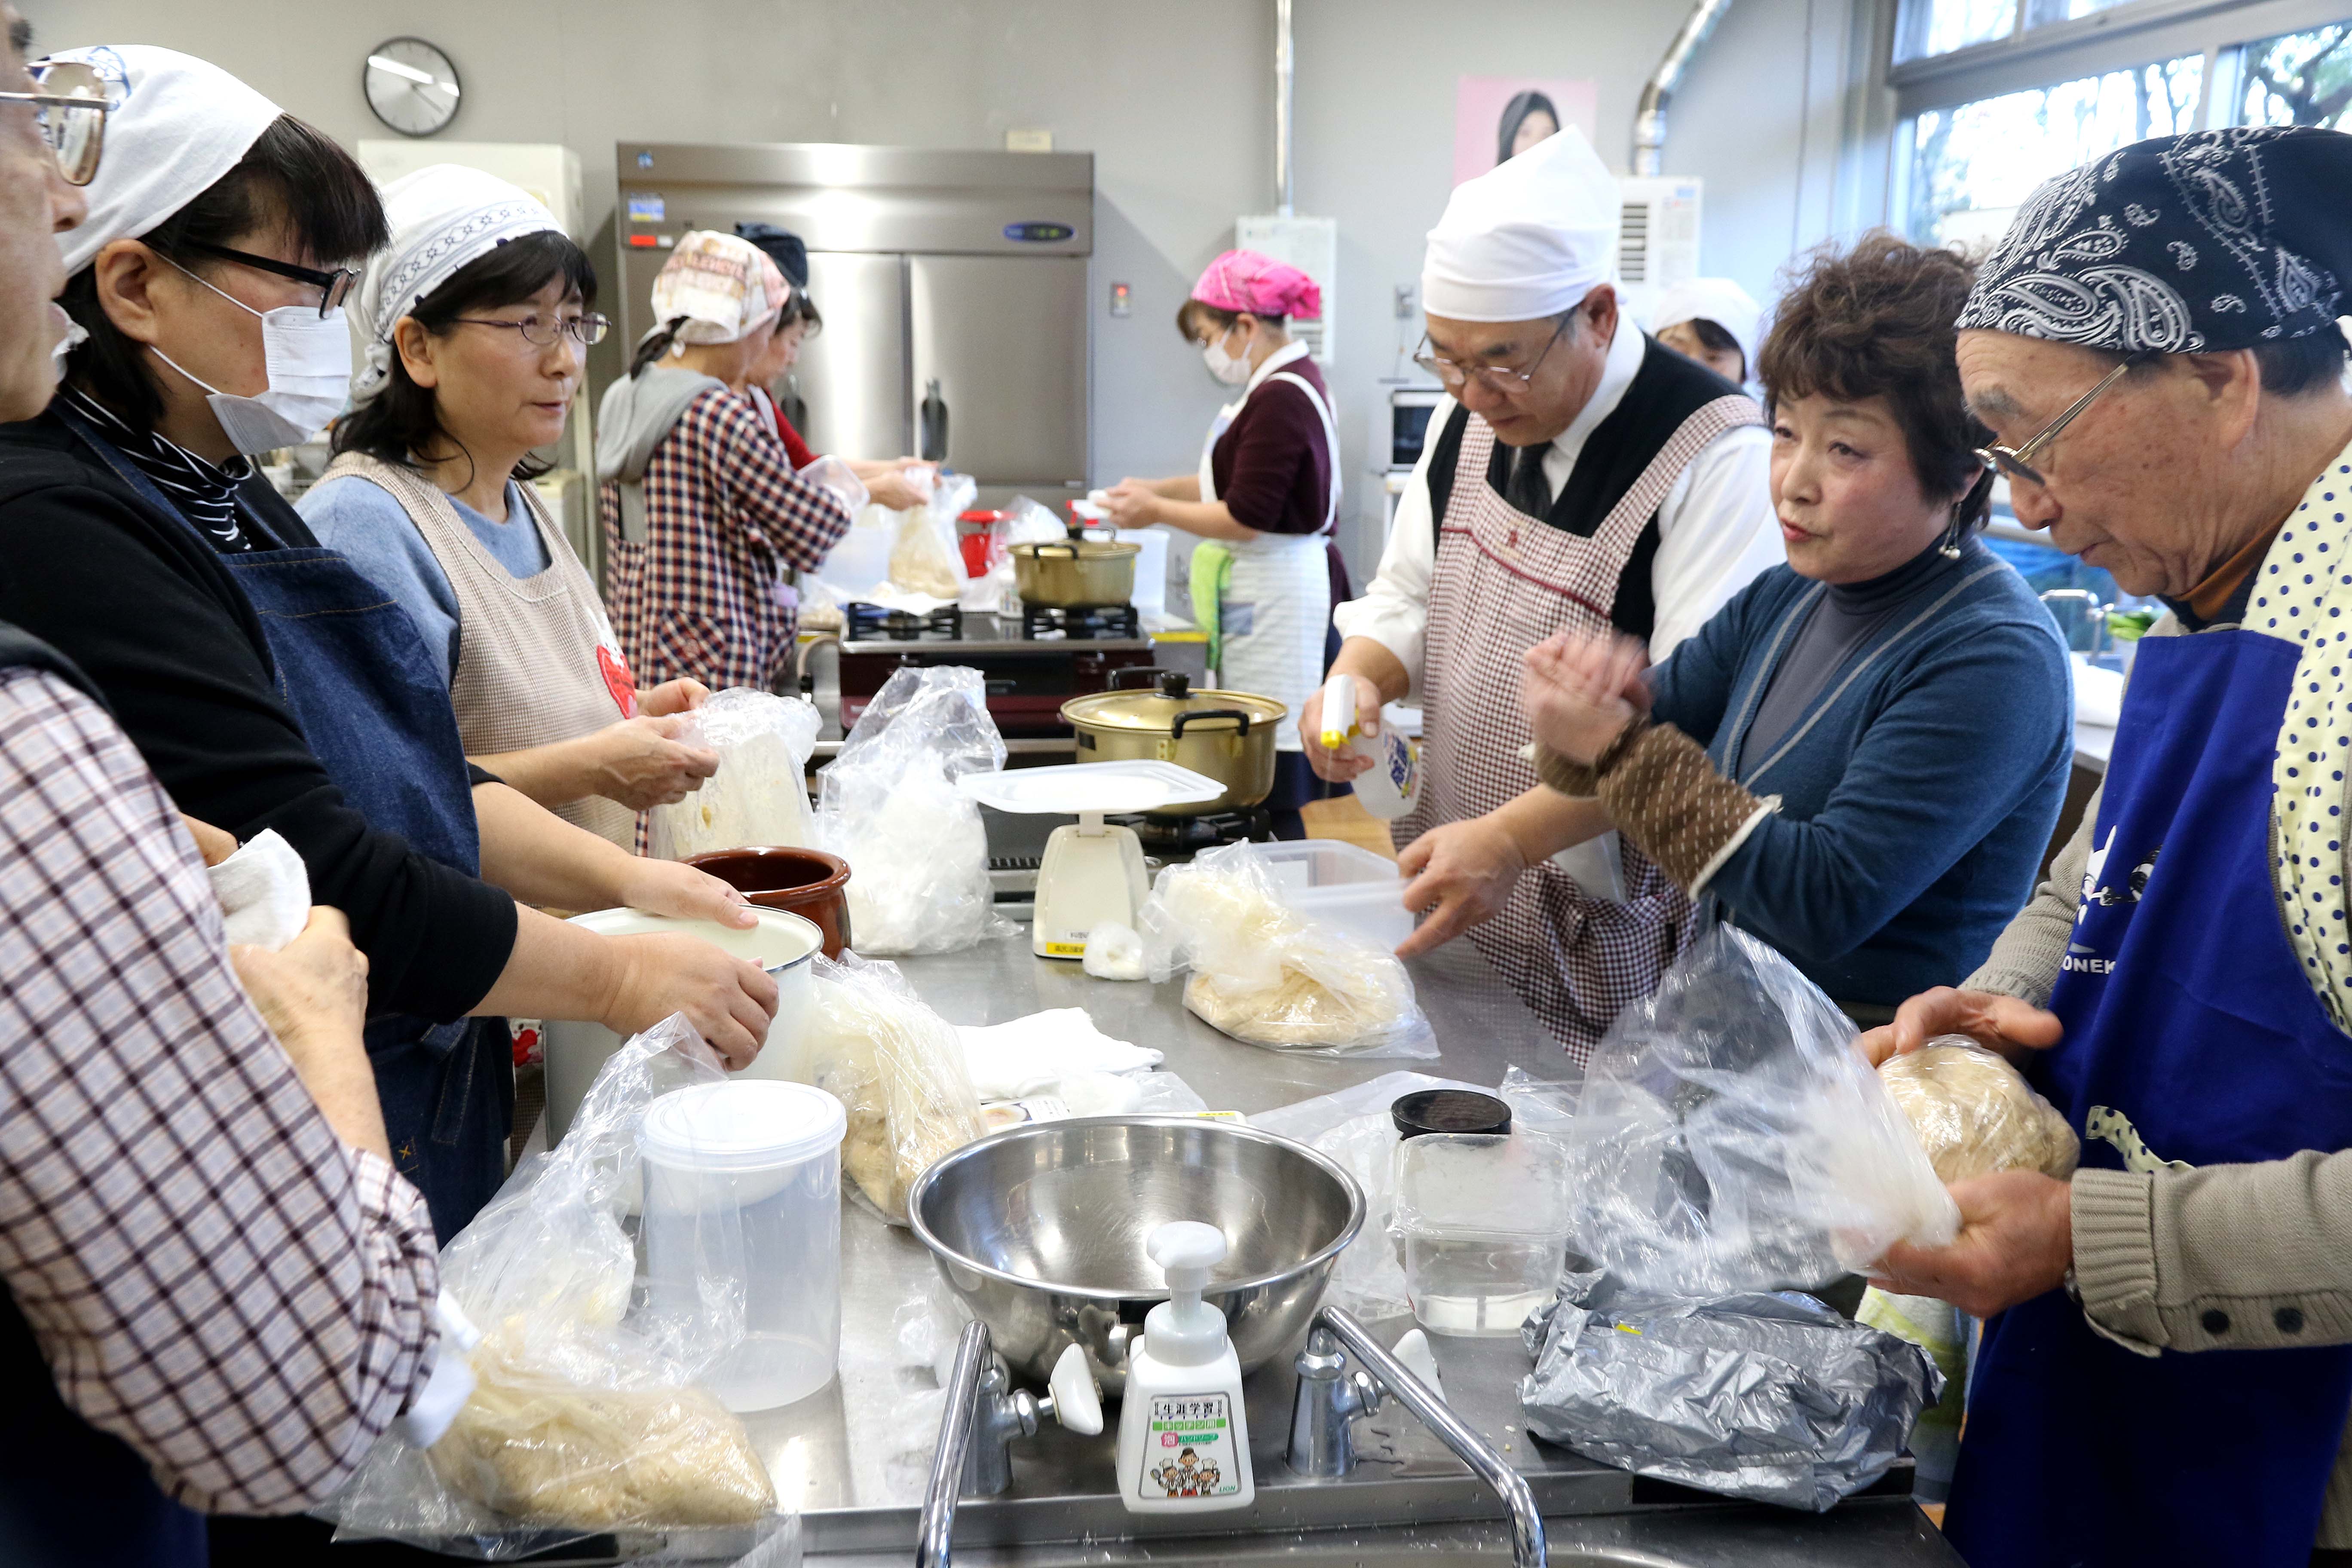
1863, 754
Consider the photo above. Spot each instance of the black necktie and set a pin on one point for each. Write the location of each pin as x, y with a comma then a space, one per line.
1529, 491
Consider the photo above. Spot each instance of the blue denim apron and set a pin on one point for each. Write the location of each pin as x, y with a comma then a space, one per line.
2191, 1036
355, 675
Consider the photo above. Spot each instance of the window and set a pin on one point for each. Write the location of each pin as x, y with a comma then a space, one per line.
2299, 79
1972, 165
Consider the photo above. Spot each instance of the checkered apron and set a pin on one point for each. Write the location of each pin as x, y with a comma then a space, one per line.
1503, 582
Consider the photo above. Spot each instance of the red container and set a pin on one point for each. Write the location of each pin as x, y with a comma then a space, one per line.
980, 535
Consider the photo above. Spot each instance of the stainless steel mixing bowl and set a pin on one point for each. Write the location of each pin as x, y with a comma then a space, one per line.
1040, 1229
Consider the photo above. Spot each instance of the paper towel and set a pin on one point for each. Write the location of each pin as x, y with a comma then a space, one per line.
264, 891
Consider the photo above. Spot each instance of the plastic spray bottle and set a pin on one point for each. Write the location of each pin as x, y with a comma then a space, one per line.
1393, 782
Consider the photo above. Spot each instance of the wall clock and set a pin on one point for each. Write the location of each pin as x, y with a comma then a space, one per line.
412, 86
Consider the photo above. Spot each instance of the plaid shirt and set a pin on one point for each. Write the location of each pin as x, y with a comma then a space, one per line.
725, 514
213, 1276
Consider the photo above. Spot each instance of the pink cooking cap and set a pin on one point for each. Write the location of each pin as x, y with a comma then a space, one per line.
1245, 280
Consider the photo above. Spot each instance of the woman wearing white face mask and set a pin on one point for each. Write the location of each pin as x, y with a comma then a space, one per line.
1263, 501
266, 680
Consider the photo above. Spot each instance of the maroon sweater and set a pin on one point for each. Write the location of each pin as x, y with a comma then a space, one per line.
1272, 465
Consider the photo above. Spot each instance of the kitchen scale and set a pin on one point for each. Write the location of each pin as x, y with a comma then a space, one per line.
1092, 871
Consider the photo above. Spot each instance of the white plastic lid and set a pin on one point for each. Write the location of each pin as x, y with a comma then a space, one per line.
747, 1124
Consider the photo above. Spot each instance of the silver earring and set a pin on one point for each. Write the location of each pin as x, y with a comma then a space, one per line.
1951, 549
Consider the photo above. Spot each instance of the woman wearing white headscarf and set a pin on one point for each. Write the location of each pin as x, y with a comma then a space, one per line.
1714, 321
702, 512
476, 317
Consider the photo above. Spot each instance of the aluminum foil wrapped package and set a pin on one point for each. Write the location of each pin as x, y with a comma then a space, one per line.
1772, 1397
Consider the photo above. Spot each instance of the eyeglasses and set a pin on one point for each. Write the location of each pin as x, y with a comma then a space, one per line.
70, 111
1496, 378
2017, 462
334, 285
588, 331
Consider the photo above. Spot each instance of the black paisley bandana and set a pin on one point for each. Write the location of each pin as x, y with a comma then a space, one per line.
2219, 240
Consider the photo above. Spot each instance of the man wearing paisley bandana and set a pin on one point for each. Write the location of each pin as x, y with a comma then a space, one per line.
2166, 1372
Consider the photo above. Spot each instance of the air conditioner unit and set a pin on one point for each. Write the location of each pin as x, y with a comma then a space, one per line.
1657, 237
1311, 245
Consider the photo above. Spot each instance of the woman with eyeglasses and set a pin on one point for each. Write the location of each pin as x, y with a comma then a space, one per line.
476, 320
1263, 502
267, 682
1861, 755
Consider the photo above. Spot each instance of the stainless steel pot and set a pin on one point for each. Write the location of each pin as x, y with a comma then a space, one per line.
1226, 735
1040, 1229
1067, 574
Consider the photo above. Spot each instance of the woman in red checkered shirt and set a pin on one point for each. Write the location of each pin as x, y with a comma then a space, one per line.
701, 509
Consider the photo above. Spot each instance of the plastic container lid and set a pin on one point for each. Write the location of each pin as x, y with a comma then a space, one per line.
746, 1124
1459, 1110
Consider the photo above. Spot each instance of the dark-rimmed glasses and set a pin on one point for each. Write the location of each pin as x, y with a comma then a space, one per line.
334, 285
1501, 379
70, 108
588, 331
2017, 462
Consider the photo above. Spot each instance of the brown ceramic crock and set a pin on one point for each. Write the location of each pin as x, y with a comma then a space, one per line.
810, 883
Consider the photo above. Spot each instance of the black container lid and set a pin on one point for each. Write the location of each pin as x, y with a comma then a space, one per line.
1429, 1110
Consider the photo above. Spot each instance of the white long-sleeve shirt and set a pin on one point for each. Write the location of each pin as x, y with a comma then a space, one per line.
1715, 528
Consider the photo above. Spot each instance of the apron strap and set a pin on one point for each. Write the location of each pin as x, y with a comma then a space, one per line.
1331, 441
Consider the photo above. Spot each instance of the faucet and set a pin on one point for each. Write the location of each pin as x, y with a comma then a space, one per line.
984, 1414
1322, 1444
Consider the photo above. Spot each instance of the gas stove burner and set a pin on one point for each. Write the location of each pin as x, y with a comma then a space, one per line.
872, 623
1179, 838
1080, 622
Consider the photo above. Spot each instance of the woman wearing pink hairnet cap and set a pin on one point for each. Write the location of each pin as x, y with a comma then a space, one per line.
1263, 501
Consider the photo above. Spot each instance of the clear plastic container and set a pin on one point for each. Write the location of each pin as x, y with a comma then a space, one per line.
1326, 879
743, 1200
1481, 1223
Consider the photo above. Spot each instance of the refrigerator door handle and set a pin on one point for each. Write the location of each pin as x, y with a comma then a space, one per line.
934, 449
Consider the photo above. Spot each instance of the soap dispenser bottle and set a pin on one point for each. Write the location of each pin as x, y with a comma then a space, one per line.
1183, 1443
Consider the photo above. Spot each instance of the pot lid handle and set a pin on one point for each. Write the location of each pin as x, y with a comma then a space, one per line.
1166, 679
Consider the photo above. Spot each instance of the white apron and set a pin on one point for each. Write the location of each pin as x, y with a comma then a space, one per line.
1277, 600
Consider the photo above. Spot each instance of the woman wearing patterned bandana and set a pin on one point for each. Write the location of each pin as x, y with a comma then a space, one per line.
2166, 1372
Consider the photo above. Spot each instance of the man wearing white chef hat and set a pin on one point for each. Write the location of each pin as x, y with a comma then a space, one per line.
1581, 475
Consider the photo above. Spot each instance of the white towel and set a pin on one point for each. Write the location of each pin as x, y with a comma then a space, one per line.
1009, 1060
264, 891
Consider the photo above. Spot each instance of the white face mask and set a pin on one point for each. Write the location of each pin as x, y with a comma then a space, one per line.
308, 358
1226, 368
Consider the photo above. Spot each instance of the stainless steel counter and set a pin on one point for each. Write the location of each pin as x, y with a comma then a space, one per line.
852, 1460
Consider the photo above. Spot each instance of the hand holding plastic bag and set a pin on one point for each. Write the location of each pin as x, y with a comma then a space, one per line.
586, 1415
759, 795
1730, 1139
1265, 974
917, 848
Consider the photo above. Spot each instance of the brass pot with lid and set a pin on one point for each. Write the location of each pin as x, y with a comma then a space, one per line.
1226, 735
1076, 573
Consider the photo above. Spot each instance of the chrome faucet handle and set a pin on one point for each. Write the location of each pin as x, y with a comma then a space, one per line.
1323, 1412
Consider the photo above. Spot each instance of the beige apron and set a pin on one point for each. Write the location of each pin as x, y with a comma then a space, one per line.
1503, 582
536, 660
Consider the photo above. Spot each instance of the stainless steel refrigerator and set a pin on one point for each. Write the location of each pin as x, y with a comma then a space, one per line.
953, 287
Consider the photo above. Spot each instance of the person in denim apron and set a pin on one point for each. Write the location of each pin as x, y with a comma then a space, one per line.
280, 687
2165, 1374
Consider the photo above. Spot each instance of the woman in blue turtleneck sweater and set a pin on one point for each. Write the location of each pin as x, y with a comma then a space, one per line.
1863, 754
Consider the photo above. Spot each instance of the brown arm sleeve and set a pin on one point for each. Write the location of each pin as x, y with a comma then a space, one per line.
1666, 798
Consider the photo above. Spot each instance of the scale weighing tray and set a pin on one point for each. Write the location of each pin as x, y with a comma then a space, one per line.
1092, 872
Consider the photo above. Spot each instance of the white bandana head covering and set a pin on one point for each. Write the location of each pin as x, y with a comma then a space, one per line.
726, 288
178, 124
443, 219
1527, 239
1717, 300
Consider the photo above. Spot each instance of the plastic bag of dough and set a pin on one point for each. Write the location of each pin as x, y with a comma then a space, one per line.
924, 558
586, 1415
896, 1066
759, 795
1264, 973
888, 805
1976, 1114
1729, 1137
